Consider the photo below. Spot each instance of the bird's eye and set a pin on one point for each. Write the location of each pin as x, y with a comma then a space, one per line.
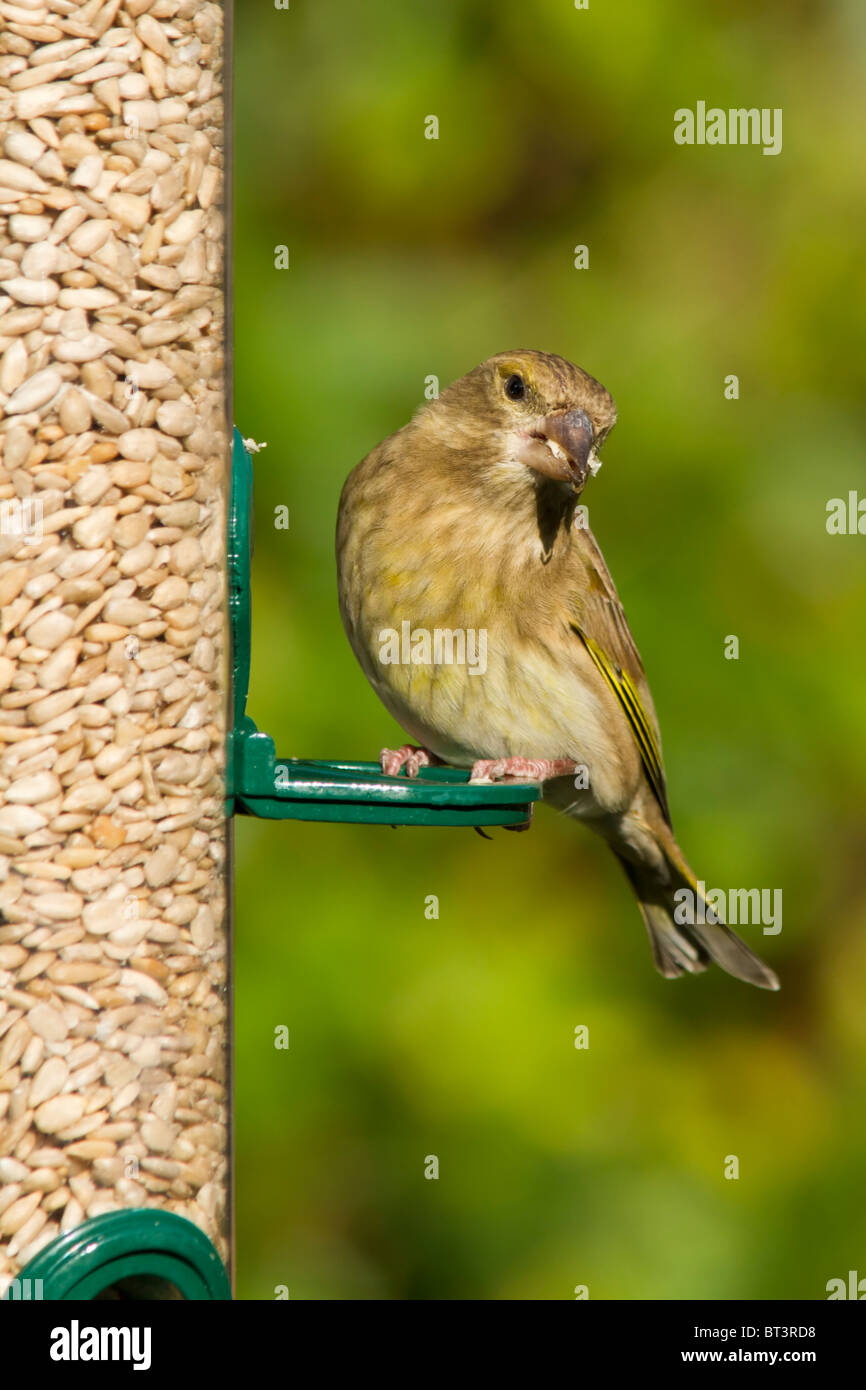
515, 387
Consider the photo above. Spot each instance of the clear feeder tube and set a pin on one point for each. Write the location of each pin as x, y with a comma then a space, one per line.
115, 402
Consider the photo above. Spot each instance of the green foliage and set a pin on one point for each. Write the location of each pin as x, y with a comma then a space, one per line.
453, 1036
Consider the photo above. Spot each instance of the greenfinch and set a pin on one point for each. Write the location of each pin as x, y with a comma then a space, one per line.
466, 523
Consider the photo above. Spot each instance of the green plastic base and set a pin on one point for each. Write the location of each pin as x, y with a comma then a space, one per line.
258, 783
295, 789
137, 1254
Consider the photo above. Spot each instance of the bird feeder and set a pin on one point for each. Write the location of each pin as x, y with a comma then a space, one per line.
125, 746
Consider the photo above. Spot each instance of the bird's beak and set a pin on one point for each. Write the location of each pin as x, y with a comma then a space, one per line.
560, 446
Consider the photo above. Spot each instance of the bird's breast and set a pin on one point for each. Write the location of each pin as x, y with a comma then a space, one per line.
472, 654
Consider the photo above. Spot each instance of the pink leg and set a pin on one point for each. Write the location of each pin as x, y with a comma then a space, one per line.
393, 760
521, 769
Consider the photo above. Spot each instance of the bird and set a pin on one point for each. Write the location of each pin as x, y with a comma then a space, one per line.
468, 520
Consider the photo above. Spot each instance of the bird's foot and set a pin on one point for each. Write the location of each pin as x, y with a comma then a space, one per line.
521, 769
393, 760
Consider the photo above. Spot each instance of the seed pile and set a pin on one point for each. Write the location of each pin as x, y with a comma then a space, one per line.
113, 1006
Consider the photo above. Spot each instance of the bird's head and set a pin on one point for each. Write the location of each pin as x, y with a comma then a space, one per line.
529, 410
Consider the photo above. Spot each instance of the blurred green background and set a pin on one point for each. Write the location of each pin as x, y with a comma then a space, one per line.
454, 1037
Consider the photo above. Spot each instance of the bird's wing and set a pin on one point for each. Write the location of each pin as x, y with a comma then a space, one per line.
599, 620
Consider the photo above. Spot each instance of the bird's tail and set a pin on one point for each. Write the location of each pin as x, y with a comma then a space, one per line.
681, 947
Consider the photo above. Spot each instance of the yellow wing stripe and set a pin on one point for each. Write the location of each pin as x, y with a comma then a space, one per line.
649, 747
640, 719
629, 699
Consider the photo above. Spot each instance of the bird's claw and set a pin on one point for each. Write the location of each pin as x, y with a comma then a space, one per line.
521, 769
393, 760
524, 824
